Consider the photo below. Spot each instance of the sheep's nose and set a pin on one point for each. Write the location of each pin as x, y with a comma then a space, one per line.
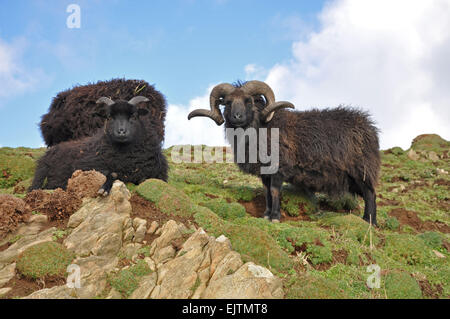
121, 131
237, 116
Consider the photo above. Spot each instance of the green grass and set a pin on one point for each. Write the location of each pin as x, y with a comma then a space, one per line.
211, 195
127, 280
43, 260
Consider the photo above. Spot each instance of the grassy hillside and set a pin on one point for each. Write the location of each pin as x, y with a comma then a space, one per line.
322, 248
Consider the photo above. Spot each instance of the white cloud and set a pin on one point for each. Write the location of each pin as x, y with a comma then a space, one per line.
199, 130
14, 77
389, 57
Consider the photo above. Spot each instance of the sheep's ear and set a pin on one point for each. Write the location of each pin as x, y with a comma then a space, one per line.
142, 111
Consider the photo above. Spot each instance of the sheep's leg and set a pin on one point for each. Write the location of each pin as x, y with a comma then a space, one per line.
106, 187
266, 182
370, 206
275, 188
39, 177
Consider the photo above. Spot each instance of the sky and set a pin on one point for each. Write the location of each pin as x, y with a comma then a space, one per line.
390, 58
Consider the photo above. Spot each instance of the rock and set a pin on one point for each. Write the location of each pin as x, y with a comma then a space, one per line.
438, 254
100, 224
33, 226
146, 286
433, 156
250, 282
228, 265
140, 226
178, 277
162, 255
153, 226
169, 231
7, 273
401, 188
441, 171
4, 291
413, 155
151, 264
130, 250
8, 255
57, 292
114, 294
93, 271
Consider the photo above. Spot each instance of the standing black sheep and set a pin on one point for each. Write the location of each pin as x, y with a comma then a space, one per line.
125, 149
73, 113
331, 151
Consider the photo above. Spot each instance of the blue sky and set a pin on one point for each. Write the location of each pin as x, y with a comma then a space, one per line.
180, 46
387, 57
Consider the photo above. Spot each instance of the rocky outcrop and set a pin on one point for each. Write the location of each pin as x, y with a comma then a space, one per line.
182, 262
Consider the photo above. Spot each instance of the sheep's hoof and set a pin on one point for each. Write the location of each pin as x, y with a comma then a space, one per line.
275, 220
267, 218
101, 191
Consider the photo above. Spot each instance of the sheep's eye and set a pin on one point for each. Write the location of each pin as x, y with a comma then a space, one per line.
247, 101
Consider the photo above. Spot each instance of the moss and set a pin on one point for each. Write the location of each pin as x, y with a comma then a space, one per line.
352, 227
127, 280
396, 151
431, 142
311, 286
166, 197
225, 210
432, 239
408, 249
45, 259
17, 165
352, 257
392, 223
400, 285
294, 201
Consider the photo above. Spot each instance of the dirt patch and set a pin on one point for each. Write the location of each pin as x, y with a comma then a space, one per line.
410, 218
85, 183
147, 210
22, 286
428, 290
442, 182
13, 211
339, 257
389, 202
257, 206
58, 205
414, 185
211, 196
446, 245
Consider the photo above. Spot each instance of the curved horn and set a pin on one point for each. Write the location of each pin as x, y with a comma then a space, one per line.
215, 114
105, 100
258, 87
268, 112
138, 99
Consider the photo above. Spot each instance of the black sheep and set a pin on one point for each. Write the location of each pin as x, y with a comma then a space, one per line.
331, 151
124, 149
73, 113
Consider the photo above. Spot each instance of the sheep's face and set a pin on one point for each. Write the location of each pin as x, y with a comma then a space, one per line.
240, 110
123, 122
